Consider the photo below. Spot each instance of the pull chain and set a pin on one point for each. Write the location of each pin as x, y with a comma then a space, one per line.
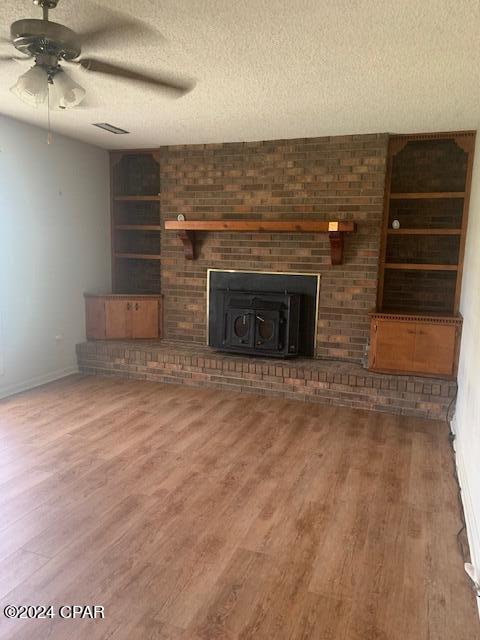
49, 135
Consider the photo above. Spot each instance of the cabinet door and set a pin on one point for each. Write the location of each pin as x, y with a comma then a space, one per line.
435, 348
117, 318
95, 318
144, 318
393, 345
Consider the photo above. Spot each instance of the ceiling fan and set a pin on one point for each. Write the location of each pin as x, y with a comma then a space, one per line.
51, 43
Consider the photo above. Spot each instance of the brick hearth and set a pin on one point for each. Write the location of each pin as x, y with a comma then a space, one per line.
325, 381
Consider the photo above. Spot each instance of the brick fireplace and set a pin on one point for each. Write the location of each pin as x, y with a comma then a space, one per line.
317, 178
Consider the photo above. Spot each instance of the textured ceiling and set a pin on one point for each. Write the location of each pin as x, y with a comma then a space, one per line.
270, 69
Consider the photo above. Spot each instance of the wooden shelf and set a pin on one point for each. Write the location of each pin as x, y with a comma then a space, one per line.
138, 227
289, 226
186, 231
138, 256
136, 198
424, 231
427, 195
421, 267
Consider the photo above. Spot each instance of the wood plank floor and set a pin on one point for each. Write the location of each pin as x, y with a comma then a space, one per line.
194, 514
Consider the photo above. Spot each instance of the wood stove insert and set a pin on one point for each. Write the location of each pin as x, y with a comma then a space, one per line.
265, 314
263, 324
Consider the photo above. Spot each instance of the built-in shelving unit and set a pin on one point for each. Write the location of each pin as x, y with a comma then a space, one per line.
425, 216
424, 228
136, 228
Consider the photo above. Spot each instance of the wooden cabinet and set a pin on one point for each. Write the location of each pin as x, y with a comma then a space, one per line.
415, 344
119, 317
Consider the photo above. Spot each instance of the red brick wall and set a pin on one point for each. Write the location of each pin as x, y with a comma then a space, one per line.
317, 178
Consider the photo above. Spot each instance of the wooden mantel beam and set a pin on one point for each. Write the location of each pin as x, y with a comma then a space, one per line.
288, 226
186, 231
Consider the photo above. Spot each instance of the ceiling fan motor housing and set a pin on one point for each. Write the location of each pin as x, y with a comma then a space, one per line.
48, 4
41, 37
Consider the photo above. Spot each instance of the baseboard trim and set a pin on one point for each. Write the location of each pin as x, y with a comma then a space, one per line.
472, 524
37, 381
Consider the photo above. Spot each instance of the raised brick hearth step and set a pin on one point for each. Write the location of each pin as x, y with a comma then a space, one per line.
326, 381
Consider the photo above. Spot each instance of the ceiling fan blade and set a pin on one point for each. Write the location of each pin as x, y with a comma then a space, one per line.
165, 82
114, 26
15, 59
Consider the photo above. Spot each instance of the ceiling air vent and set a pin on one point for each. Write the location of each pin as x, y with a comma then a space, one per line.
109, 127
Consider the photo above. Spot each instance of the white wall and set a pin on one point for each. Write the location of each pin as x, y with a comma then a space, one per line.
54, 245
467, 417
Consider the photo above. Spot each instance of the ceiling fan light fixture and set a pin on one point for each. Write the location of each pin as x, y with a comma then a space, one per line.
67, 93
32, 86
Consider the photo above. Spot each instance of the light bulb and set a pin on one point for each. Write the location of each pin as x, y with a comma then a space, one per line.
32, 86
66, 93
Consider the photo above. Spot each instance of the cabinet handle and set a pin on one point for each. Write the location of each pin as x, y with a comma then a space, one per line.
128, 306
136, 306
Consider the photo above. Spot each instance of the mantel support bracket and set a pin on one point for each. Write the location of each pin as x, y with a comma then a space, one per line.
336, 231
336, 247
188, 241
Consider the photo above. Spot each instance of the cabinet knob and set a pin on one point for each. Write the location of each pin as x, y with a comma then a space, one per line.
136, 306
129, 306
